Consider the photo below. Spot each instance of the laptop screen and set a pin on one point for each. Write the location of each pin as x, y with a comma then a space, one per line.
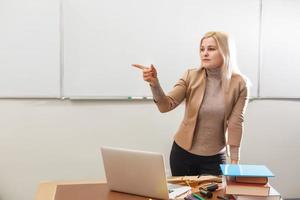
135, 172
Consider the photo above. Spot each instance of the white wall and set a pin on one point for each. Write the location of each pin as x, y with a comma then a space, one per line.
59, 140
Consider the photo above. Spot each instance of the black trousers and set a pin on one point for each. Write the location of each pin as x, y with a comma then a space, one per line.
184, 163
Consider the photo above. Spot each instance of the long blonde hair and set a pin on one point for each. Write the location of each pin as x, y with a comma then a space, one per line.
228, 52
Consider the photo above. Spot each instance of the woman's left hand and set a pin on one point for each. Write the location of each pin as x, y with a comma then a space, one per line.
234, 161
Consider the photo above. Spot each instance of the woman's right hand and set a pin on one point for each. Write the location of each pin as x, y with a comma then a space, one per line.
149, 74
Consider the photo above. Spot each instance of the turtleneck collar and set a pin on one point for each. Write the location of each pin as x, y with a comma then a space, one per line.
214, 73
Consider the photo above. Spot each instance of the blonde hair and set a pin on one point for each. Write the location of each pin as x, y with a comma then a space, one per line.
228, 52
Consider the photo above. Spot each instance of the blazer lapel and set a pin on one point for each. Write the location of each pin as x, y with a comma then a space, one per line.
199, 92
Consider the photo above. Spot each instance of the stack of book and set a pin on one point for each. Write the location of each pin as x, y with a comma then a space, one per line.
245, 182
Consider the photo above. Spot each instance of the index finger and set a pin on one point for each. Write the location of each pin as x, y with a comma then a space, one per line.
142, 67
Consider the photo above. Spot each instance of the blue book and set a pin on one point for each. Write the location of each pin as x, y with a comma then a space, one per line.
245, 170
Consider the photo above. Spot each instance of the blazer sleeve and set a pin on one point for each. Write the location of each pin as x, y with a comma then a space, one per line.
170, 101
236, 122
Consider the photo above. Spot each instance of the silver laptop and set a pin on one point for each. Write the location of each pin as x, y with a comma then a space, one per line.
138, 172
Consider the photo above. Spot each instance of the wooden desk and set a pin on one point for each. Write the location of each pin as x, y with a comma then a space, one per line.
85, 190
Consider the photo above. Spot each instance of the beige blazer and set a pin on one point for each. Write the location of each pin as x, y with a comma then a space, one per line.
191, 87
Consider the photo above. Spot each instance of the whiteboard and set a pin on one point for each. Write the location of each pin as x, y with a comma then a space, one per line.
29, 48
280, 70
102, 38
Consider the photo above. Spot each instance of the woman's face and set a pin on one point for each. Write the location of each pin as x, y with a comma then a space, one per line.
210, 54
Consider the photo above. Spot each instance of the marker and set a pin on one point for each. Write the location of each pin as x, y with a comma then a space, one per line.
135, 97
139, 98
197, 196
190, 197
206, 193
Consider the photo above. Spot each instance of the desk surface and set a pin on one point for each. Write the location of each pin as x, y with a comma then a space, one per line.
86, 190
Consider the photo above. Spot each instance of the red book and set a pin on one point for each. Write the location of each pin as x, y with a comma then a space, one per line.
251, 189
247, 179
273, 195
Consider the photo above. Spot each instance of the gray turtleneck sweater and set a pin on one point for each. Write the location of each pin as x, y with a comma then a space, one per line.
209, 138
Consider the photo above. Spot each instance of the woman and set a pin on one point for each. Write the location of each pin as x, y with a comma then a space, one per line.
216, 96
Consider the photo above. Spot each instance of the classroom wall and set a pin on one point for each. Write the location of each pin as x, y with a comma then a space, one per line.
44, 140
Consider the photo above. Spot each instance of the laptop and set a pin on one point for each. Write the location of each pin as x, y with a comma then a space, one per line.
138, 172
